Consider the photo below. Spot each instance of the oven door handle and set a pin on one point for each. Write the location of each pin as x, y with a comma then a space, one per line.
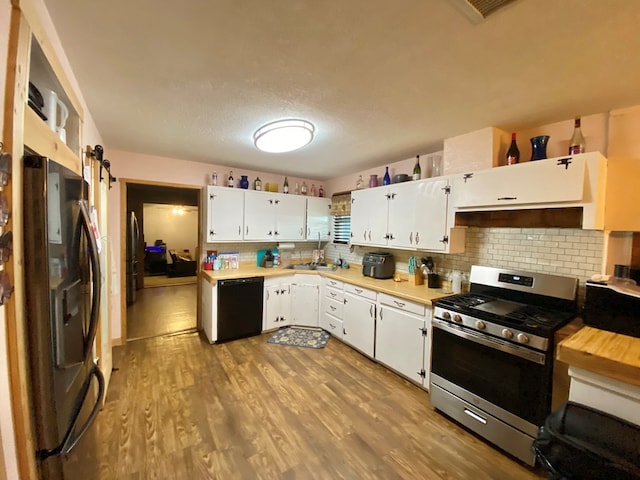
491, 342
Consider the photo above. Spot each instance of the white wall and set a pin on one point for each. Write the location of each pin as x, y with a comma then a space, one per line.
179, 232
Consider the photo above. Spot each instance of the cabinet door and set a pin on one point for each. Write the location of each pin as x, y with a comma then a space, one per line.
304, 304
540, 182
318, 219
331, 324
403, 212
259, 216
285, 305
225, 214
430, 219
273, 305
290, 217
359, 316
369, 210
400, 342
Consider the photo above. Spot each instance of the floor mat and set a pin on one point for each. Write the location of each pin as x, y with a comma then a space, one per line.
300, 337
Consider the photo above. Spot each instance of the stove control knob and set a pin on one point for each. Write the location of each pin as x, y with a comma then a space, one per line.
457, 318
506, 333
446, 315
480, 325
522, 338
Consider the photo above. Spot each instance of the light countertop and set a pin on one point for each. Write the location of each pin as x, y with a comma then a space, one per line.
404, 289
606, 353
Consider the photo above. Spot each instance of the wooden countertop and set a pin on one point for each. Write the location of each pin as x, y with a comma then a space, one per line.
602, 352
405, 289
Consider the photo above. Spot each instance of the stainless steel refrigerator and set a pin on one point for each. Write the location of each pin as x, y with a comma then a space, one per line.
62, 288
133, 238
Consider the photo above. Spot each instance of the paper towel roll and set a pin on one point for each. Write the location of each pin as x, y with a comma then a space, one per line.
286, 246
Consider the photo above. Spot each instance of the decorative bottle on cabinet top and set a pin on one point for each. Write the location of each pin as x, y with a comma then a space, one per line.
577, 143
321, 191
244, 182
257, 184
230, 181
285, 186
513, 154
303, 189
417, 171
359, 183
386, 180
373, 181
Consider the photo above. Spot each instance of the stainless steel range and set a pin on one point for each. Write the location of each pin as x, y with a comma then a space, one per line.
492, 353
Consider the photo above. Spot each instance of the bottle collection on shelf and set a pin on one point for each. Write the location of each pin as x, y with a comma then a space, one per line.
269, 187
577, 145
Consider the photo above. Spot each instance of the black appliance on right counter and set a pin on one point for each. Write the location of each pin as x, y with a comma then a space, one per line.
378, 265
613, 305
493, 351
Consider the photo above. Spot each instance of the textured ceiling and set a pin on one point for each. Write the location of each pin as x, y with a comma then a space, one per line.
381, 80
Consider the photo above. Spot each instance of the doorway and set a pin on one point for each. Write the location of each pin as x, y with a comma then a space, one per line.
162, 270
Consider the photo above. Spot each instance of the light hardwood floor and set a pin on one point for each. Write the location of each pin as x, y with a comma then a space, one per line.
162, 310
179, 408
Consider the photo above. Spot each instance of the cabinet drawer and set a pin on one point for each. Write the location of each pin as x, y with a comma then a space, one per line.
329, 282
334, 294
359, 291
331, 324
334, 307
402, 304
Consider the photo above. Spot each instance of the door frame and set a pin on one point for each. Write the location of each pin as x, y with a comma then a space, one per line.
124, 183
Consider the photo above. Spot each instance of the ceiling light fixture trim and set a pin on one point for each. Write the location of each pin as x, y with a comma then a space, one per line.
283, 135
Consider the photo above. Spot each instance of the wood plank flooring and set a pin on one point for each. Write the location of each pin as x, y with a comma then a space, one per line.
179, 408
162, 310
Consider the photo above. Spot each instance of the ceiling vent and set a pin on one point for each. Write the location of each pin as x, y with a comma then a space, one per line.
478, 10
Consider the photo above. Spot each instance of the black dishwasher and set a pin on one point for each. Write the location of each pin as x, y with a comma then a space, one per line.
239, 308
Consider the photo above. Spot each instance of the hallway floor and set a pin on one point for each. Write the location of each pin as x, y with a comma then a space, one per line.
162, 310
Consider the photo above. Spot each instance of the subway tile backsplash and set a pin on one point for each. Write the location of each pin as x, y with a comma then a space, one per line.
571, 252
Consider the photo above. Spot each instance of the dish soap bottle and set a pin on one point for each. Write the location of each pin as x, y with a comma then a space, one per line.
417, 171
285, 187
386, 180
230, 182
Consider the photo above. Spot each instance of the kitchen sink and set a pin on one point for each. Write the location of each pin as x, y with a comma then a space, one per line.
312, 266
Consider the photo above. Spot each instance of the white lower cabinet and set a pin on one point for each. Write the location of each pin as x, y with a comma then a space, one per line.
403, 337
359, 318
209, 310
277, 305
305, 298
331, 306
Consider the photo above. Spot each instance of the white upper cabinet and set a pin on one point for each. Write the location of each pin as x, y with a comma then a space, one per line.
569, 181
225, 214
411, 215
542, 181
369, 216
318, 219
273, 216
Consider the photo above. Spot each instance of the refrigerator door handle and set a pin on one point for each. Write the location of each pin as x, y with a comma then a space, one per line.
70, 441
96, 280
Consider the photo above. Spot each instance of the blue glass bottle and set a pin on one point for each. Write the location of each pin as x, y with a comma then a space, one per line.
387, 179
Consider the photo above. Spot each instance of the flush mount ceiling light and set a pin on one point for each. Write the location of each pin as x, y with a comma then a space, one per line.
283, 136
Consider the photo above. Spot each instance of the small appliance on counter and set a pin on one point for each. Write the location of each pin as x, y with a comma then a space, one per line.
266, 258
378, 265
613, 305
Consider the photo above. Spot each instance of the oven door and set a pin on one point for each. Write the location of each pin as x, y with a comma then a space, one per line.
511, 377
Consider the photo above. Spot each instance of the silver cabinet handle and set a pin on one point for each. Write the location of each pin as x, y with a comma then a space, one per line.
247, 230
239, 230
417, 238
365, 235
411, 238
358, 290
381, 314
332, 294
371, 310
400, 304
332, 308
308, 232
